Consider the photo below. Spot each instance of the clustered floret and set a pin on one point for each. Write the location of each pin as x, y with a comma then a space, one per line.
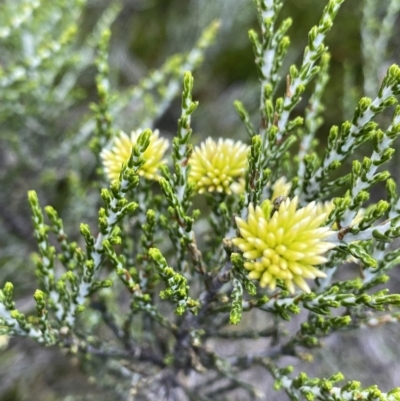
287, 245
121, 151
219, 166
281, 242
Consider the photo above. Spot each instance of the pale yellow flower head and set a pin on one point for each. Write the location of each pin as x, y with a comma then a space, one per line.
325, 207
219, 166
281, 188
328, 206
4, 339
121, 151
285, 246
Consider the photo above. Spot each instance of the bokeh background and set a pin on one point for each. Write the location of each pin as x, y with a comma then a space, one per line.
144, 34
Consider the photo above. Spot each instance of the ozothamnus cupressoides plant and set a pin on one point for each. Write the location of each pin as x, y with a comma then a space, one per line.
285, 218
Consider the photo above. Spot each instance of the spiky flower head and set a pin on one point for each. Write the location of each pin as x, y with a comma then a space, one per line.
281, 188
4, 339
121, 151
286, 245
219, 166
328, 206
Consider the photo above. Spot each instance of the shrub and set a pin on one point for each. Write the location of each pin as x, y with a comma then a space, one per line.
193, 239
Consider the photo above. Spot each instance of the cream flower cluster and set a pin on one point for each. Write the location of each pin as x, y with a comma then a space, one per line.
280, 188
121, 151
4, 339
219, 166
285, 246
328, 206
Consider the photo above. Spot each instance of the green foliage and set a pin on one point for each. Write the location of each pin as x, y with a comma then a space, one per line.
168, 273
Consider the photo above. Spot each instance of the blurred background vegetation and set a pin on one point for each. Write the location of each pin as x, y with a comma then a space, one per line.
38, 152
